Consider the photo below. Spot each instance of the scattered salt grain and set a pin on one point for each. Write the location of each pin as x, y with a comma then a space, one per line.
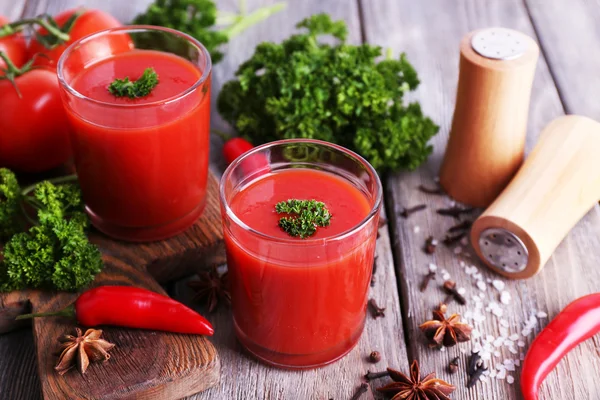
445, 276
498, 284
462, 290
541, 314
510, 379
501, 374
464, 241
417, 229
496, 353
498, 342
504, 323
481, 285
457, 250
514, 337
521, 343
432, 267
505, 297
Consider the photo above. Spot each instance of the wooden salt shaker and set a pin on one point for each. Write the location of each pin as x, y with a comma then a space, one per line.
558, 183
487, 139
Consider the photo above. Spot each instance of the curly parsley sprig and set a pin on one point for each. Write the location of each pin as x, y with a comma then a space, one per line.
303, 217
134, 89
55, 251
339, 93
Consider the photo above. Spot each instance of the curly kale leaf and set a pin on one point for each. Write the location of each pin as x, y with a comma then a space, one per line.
194, 17
56, 253
303, 88
10, 198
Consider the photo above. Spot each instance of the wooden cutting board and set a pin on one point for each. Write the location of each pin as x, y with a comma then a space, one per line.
144, 364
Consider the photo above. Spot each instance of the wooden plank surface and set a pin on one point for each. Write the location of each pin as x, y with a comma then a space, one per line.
569, 34
430, 33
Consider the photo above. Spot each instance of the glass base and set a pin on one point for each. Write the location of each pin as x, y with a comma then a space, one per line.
149, 233
298, 361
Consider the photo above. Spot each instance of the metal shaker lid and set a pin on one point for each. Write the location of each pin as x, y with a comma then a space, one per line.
499, 43
503, 249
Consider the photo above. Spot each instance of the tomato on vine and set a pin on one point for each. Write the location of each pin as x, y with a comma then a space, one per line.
14, 46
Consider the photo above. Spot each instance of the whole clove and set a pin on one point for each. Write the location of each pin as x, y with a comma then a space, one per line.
437, 190
450, 288
450, 240
430, 245
407, 212
359, 392
455, 212
463, 226
376, 311
374, 357
474, 362
475, 377
453, 366
426, 280
369, 376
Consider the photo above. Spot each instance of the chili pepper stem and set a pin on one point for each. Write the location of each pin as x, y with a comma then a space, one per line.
68, 311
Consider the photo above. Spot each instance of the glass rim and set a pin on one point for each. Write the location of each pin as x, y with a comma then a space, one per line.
206, 68
342, 235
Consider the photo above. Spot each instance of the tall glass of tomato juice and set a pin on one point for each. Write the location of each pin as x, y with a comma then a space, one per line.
142, 162
300, 303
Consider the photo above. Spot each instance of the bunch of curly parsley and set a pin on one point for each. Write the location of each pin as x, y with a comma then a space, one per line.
55, 251
302, 88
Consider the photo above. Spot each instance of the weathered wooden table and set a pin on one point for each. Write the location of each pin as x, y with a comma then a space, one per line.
567, 81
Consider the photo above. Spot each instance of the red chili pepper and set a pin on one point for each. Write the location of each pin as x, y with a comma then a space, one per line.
578, 322
133, 307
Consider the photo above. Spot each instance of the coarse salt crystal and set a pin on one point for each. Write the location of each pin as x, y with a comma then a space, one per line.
501, 374
514, 337
510, 379
510, 367
417, 229
498, 284
505, 297
462, 264
481, 285
521, 343
513, 350
517, 362
509, 343
476, 348
446, 276
504, 323
493, 373
489, 338
457, 250
541, 314
462, 290
503, 332
432, 267
496, 353
442, 349
464, 241
498, 342
526, 332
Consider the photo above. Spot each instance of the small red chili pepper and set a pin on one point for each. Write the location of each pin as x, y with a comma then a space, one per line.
132, 307
578, 322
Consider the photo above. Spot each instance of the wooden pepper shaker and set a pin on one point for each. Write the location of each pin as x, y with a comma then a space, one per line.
558, 183
487, 138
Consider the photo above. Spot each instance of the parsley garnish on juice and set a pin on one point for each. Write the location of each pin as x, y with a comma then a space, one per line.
134, 89
303, 217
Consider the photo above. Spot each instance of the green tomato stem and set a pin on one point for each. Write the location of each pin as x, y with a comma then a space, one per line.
13, 27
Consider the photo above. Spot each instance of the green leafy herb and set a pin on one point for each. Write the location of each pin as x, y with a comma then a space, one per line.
134, 89
55, 252
338, 93
198, 18
304, 216
10, 199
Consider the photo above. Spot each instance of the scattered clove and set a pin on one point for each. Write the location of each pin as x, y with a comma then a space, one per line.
374, 357
474, 363
426, 280
359, 392
450, 288
450, 240
436, 190
453, 366
369, 376
455, 212
430, 245
376, 311
476, 376
463, 226
408, 211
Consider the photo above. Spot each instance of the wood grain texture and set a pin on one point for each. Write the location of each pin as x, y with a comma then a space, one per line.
430, 33
144, 364
487, 139
569, 33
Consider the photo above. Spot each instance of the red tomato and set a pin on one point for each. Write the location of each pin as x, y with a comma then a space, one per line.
91, 21
34, 127
14, 46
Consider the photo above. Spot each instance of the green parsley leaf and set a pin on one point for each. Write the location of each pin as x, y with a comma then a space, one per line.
339, 93
135, 89
304, 216
10, 198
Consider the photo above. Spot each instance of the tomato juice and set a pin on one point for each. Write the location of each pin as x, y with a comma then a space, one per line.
142, 163
300, 303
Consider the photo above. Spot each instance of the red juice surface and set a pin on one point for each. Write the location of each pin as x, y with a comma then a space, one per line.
303, 303
146, 166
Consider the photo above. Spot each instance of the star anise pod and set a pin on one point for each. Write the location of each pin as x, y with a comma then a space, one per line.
211, 287
78, 350
414, 387
441, 331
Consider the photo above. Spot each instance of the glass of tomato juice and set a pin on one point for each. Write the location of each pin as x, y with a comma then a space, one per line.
299, 302
142, 162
